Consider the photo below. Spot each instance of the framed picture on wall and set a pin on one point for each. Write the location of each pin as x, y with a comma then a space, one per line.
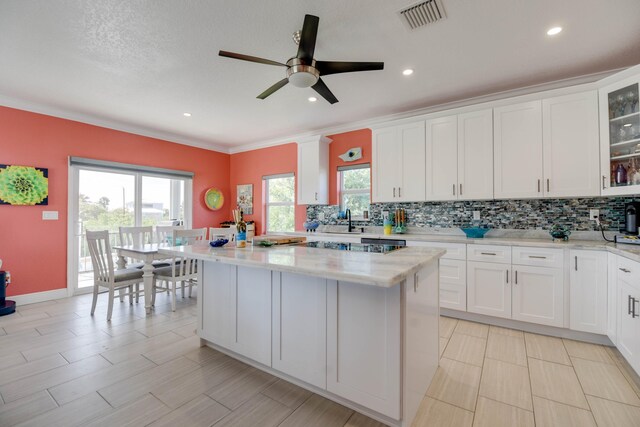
23, 185
245, 198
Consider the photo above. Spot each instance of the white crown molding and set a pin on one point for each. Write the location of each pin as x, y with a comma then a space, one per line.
47, 110
378, 121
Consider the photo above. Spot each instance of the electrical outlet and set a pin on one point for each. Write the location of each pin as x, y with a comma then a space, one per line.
385, 215
594, 214
476, 215
321, 216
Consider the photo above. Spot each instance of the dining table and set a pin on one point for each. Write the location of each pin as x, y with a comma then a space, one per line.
146, 253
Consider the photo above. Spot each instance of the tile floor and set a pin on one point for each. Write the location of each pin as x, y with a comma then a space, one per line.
61, 367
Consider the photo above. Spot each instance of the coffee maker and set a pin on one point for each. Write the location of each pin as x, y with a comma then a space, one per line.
632, 218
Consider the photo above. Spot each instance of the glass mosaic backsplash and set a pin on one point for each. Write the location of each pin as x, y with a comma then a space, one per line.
538, 214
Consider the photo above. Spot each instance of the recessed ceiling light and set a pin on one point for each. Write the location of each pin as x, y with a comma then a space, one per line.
407, 72
553, 31
186, 114
312, 99
627, 125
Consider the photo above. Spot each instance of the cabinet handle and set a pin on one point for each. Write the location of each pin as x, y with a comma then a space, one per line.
399, 194
415, 283
628, 304
507, 275
547, 185
538, 186
454, 189
461, 189
604, 180
537, 256
394, 191
576, 262
487, 253
516, 277
316, 197
624, 270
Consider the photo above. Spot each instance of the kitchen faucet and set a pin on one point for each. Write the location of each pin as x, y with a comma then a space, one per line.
351, 227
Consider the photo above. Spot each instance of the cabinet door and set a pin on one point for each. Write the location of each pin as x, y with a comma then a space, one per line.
385, 171
538, 295
253, 314
475, 155
588, 291
628, 323
313, 169
571, 145
453, 284
364, 345
411, 187
300, 327
218, 289
518, 151
442, 158
488, 289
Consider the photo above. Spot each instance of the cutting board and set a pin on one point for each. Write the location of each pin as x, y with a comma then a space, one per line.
279, 240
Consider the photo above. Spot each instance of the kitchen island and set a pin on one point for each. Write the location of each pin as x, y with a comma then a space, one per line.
359, 328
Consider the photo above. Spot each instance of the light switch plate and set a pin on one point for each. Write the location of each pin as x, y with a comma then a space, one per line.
593, 214
49, 215
476, 215
321, 216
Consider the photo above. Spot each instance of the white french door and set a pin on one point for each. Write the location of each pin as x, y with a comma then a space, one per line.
106, 198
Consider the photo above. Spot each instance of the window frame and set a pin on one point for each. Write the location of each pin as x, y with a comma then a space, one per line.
342, 191
268, 203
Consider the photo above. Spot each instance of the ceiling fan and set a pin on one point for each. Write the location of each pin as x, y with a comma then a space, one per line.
303, 70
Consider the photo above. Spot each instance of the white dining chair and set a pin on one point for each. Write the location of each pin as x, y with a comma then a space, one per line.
229, 233
164, 233
182, 270
106, 276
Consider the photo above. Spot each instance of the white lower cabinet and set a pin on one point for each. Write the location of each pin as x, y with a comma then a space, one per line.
588, 291
300, 327
538, 295
453, 284
363, 345
488, 289
219, 316
628, 286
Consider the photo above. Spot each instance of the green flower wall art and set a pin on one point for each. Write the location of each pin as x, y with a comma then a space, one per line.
23, 185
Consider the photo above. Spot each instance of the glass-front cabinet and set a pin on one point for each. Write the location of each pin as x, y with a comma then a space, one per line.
620, 137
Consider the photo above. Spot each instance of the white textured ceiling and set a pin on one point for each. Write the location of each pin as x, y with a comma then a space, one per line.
141, 64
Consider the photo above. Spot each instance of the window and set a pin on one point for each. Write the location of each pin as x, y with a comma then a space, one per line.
355, 188
279, 199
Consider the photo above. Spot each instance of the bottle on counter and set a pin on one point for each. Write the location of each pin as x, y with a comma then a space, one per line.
241, 228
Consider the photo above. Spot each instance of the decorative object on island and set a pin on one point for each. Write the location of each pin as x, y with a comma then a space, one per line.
214, 199
241, 227
352, 154
401, 221
24, 185
311, 224
474, 232
245, 198
560, 232
218, 243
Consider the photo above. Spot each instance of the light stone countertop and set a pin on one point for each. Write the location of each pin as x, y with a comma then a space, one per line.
534, 238
382, 270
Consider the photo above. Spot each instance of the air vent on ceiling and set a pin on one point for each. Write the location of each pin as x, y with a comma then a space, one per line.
423, 13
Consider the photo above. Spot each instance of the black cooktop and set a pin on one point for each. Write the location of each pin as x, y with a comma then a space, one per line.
354, 247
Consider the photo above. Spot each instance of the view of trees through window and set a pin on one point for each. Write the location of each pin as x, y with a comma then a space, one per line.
355, 190
280, 197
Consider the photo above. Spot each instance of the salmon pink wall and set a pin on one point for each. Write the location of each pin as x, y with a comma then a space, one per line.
35, 251
250, 166
341, 143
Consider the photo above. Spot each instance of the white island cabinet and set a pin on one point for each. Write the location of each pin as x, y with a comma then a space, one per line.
358, 328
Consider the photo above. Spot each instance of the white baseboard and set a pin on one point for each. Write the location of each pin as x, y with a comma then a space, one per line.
39, 296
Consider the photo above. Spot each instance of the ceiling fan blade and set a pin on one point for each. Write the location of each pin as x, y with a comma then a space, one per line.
334, 67
273, 88
249, 58
324, 91
308, 38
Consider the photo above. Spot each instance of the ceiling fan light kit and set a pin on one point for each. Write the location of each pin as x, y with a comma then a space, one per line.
303, 70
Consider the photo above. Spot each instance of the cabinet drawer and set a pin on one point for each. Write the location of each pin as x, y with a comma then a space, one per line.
628, 270
453, 271
454, 250
541, 257
489, 253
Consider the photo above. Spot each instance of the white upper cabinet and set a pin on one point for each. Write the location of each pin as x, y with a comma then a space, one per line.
442, 158
570, 145
620, 136
518, 150
475, 155
313, 171
398, 170
460, 156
